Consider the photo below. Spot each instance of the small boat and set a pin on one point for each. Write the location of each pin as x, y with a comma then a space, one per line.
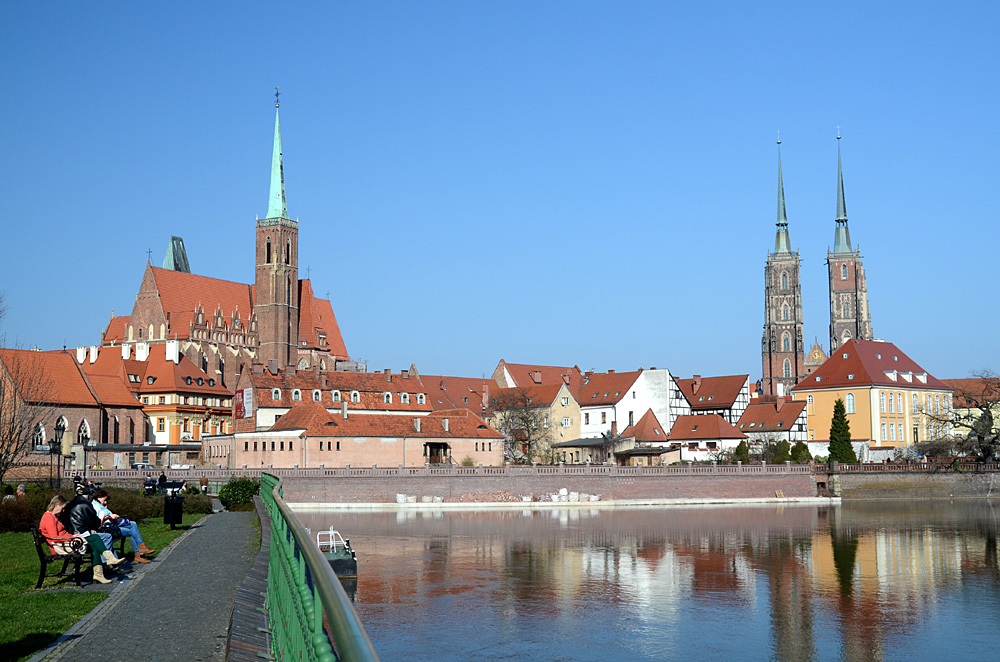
338, 553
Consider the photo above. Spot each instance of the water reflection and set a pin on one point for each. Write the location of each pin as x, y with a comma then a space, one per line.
857, 582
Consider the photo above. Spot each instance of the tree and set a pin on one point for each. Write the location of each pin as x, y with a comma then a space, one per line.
841, 449
776, 452
972, 420
523, 423
800, 453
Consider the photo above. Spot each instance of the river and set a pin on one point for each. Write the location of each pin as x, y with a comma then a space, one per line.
861, 581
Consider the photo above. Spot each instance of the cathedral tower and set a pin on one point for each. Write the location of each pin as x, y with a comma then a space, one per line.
782, 352
276, 288
849, 314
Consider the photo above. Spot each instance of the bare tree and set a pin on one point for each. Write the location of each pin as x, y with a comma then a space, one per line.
523, 424
24, 390
972, 420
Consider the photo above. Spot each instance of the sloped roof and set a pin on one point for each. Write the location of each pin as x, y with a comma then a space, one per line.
767, 417
471, 393
647, 430
62, 381
167, 375
112, 391
695, 427
371, 387
606, 388
526, 374
116, 331
860, 363
539, 395
974, 392
180, 293
315, 421
315, 317
712, 392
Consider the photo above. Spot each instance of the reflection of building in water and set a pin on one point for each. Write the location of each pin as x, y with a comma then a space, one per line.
786, 562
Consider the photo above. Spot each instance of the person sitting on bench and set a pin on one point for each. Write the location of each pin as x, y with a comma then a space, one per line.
80, 518
130, 530
58, 538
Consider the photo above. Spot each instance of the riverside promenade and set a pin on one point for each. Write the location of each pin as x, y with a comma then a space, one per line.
176, 608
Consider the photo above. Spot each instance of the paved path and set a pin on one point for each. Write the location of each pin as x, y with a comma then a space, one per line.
175, 608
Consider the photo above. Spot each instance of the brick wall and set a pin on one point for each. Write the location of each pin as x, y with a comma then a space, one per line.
918, 485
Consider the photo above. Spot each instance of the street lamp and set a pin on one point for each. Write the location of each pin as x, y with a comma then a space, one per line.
56, 449
85, 440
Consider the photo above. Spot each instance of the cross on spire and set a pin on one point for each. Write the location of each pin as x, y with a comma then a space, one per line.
149, 255
276, 95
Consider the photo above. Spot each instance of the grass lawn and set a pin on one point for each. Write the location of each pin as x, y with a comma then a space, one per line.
31, 619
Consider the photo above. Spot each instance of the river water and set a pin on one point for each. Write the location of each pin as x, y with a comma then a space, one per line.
860, 581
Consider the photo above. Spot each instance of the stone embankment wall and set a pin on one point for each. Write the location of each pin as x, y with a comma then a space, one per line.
918, 485
540, 487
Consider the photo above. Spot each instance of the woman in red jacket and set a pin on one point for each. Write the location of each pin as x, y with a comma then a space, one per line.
58, 538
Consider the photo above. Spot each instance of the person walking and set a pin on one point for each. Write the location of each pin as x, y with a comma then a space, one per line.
162, 483
203, 481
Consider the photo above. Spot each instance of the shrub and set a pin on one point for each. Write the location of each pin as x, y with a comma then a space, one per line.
239, 491
467, 461
800, 453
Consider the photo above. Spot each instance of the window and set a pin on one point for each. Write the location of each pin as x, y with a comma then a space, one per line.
282, 445
546, 423
387, 398
405, 398
784, 314
784, 282
883, 432
843, 272
899, 403
892, 431
565, 421
187, 425
892, 408
845, 310
850, 403
273, 444
267, 255
355, 396
163, 400
604, 417
145, 399
902, 432
565, 401
161, 425
246, 446
420, 399
338, 445
915, 404
786, 369
296, 394
881, 401
276, 394
316, 395
255, 445
586, 418
630, 421
336, 396
937, 404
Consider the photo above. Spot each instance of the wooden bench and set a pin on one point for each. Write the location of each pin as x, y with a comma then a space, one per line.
78, 555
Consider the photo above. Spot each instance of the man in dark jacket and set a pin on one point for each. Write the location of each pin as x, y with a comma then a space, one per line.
162, 483
80, 516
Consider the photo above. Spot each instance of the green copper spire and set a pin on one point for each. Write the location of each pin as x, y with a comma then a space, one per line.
781, 241
842, 237
276, 207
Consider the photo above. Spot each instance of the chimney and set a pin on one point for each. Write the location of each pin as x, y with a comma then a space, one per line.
388, 374
614, 428
652, 367
322, 380
93, 353
81, 354
781, 390
272, 366
416, 424
780, 403
536, 376
696, 379
126, 351
173, 351
141, 351
405, 374
611, 372
343, 409
444, 422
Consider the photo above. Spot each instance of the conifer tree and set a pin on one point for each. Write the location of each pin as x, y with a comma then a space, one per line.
840, 435
741, 453
800, 453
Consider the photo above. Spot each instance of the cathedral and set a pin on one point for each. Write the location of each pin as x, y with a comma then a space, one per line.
224, 326
783, 354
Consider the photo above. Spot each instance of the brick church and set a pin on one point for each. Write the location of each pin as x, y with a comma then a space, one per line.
223, 326
783, 353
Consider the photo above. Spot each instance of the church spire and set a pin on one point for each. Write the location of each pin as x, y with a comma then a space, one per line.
781, 241
842, 238
276, 207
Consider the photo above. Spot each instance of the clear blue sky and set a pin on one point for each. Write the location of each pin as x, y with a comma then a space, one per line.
545, 182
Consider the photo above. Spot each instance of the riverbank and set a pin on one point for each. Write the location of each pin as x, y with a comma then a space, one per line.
551, 505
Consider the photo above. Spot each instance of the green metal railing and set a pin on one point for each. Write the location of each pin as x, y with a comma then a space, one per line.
301, 589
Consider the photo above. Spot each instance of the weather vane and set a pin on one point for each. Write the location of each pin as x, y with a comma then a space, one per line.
276, 95
838, 132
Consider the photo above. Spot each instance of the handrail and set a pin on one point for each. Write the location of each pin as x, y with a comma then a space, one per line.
297, 576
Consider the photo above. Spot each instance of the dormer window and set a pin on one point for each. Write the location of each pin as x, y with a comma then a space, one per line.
844, 355
420, 398
336, 396
355, 396
850, 376
150, 380
201, 381
316, 395
387, 398
296, 394
276, 394
211, 381
187, 380
405, 398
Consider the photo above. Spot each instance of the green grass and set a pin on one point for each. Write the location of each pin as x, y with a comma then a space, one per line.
32, 619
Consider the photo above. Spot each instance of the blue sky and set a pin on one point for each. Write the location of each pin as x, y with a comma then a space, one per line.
545, 182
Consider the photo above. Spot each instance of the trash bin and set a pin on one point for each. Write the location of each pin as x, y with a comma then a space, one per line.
173, 510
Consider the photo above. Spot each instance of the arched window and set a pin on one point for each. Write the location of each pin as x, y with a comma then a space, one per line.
288, 293
387, 398
786, 345
276, 394
288, 251
892, 404
787, 368
316, 395
420, 399
355, 396
784, 313
83, 433
336, 396
267, 257
843, 272
296, 394
303, 364
881, 402
784, 281
38, 436
845, 310
850, 403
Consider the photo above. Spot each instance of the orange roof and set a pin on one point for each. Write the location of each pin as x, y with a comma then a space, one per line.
859, 363
695, 427
315, 421
167, 376
472, 393
538, 395
525, 374
606, 388
974, 392
371, 387
766, 417
712, 392
647, 430
112, 391
117, 330
180, 293
65, 383
316, 317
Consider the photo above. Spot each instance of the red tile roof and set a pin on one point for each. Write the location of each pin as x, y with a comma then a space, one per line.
472, 393
695, 427
112, 391
63, 383
766, 417
117, 330
316, 317
974, 392
167, 376
606, 388
647, 430
539, 395
712, 392
180, 293
525, 374
859, 363
371, 387
316, 421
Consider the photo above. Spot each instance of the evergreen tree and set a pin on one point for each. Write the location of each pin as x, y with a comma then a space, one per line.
741, 453
800, 453
840, 435
778, 452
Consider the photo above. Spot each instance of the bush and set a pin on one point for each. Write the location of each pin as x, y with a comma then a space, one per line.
239, 491
467, 461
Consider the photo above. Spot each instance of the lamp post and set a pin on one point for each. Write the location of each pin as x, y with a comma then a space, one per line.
57, 448
85, 440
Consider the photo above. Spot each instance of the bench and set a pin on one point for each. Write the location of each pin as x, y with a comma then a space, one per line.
77, 556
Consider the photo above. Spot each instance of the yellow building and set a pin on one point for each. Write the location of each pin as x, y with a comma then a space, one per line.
890, 400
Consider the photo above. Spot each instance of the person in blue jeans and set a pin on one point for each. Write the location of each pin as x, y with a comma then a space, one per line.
131, 530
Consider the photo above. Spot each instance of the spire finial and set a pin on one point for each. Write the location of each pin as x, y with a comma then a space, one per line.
782, 244
276, 95
276, 206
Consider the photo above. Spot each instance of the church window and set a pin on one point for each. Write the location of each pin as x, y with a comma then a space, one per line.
881, 401
288, 293
355, 396
850, 403
784, 281
787, 368
288, 251
786, 344
267, 258
845, 310
296, 395
843, 272
784, 313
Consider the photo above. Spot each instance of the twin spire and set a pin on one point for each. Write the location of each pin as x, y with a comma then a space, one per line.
276, 207
842, 237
